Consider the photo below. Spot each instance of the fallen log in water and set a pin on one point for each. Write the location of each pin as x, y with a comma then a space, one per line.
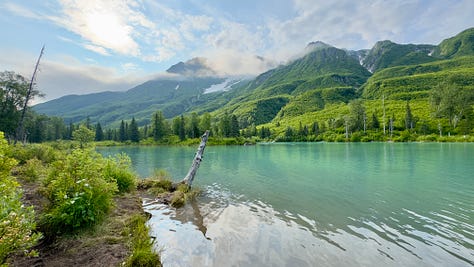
175, 194
189, 178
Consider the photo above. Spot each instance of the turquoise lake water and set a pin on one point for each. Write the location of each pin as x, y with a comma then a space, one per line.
318, 204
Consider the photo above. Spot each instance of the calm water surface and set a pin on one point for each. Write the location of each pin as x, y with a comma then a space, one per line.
322, 204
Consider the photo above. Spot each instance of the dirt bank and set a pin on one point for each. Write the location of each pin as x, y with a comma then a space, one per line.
107, 244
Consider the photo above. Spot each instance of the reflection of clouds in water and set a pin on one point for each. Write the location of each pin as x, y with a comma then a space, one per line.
251, 233
342, 204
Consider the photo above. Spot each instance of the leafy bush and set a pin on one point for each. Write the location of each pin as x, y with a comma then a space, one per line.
118, 170
79, 192
42, 152
356, 137
32, 170
16, 221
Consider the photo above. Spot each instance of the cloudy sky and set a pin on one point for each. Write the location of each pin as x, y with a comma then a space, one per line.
97, 45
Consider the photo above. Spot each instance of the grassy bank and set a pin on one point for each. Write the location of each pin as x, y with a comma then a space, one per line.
64, 206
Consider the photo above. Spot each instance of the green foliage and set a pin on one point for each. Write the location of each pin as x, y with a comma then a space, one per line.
44, 153
451, 101
122, 132
99, 133
118, 169
358, 116
142, 245
13, 90
32, 170
134, 134
17, 222
84, 135
79, 193
159, 128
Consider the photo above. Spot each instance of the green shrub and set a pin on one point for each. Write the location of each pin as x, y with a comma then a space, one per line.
16, 221
118, 170
32, 170
79, 193
42, 152
340, 138
356, 137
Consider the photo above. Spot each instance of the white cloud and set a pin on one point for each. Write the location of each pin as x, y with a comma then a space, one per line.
130, 67
359, 24
66, 75
161, 31
97, 49
19, 10
106, 23
234, 62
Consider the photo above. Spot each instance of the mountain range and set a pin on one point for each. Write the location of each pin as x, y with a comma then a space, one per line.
321, 78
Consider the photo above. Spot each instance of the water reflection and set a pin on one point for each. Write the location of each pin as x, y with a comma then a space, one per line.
222, 229
320, 204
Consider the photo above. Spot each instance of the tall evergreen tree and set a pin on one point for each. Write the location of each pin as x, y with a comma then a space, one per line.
234, 130
181, 128
357, 115
158, 126
134, 134
122, 132
99, 133
224, 125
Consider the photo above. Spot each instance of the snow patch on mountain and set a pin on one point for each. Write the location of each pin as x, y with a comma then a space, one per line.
224, 86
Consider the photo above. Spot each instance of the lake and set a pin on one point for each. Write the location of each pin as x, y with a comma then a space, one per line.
317, 204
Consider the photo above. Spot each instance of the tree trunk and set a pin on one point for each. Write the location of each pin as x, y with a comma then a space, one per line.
20, 134
188, 180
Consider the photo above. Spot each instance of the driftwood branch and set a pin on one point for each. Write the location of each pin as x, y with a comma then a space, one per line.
188, 180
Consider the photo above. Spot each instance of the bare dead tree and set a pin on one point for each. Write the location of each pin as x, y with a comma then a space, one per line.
188, 180
21, 129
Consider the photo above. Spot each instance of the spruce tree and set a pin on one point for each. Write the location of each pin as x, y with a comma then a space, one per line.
122, 132
134, 134
99, 133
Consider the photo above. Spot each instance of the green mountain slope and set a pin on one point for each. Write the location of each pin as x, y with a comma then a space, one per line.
388, 54
399, 77
324, 75
460, 45
416, 81
173, 97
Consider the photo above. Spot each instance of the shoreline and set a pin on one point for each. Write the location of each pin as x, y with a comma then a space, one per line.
109, 243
